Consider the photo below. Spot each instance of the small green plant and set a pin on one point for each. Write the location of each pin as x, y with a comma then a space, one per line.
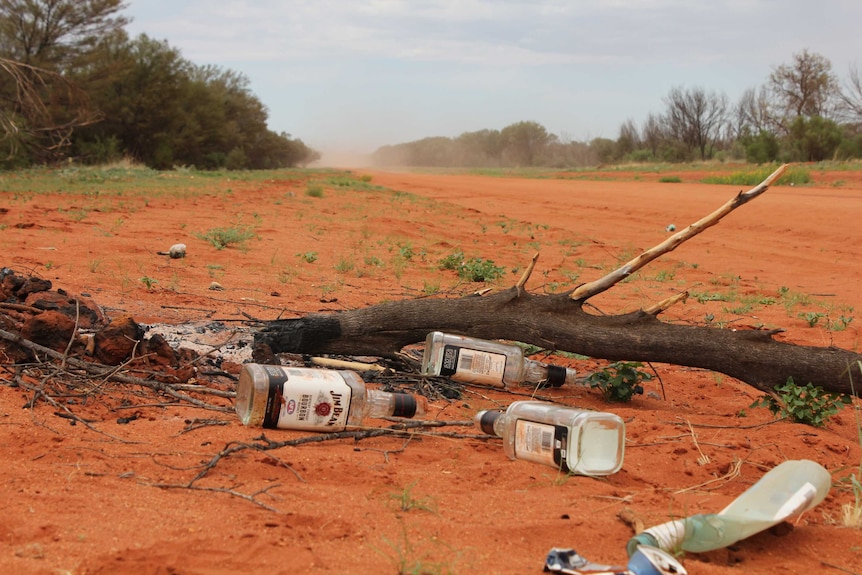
474, 269
808, 404
811, 317
215, 270
221, 238
670, 180
344, 265
619, 381
308, 257
149, 282
839, 324
406, 501
314, 190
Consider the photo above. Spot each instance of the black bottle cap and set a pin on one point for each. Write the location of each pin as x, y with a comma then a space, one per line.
405, 405
556, 375
486, 420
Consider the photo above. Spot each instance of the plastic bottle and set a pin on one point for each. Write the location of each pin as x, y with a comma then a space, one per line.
570, 439
473, 360
786, 490
278, 396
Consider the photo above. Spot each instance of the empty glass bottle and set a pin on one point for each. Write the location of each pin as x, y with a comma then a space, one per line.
786, 490
278, 396
572, 440
474, 360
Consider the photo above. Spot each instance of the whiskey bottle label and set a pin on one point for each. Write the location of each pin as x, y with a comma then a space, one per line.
473, 366
542, 443
316, 400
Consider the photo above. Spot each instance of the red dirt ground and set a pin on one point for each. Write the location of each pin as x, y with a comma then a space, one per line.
84, 501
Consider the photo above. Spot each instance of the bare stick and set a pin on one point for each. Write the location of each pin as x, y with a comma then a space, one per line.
600, 285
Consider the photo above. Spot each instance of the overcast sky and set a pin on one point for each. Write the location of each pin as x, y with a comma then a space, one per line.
352, 75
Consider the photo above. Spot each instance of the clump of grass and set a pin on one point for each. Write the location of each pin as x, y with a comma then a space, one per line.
670, 180
222, 238
406, 500
314, 190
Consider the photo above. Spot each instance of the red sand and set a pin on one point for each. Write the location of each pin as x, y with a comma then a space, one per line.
84, 502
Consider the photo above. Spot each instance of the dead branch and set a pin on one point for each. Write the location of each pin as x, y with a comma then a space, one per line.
600, 285
109, 373
26, 119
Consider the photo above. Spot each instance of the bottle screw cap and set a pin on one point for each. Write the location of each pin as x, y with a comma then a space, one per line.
486, 420
405, 405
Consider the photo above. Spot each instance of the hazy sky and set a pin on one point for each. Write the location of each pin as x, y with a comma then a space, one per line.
352, 75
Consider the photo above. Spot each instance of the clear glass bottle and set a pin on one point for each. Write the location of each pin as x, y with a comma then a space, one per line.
473, 360
314, 399
786, 490
572, 440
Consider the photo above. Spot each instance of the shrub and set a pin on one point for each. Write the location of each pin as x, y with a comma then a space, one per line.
807, 404
619, 381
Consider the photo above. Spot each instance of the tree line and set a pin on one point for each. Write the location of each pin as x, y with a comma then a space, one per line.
803, 112
74, 85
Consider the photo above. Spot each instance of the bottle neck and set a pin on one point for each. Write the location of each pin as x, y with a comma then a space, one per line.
548, 374
384, 404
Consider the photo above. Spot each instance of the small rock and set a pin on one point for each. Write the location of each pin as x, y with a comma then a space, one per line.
215, 286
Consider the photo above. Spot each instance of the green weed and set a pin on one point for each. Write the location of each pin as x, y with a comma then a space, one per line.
807, 404
474, 269
619, 381
222, 238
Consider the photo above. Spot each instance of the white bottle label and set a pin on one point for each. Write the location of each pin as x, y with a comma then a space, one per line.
541, 443
316, 400
473, 366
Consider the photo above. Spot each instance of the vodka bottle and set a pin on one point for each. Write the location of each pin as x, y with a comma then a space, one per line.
572, 440
473, 360
278, 396
786, 490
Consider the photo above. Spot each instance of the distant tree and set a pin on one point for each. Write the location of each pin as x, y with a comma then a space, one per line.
760, 148
604, 149
695, 118
851, 98
753, 113
524, 142
806, 87
480, 148
629, 139
653, 134
815, 138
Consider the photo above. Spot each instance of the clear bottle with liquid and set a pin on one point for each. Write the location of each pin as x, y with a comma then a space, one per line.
473, 360
785, 491
314, 399
570, 439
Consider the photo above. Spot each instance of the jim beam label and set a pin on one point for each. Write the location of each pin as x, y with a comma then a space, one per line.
542, 443
316, 400
473, 366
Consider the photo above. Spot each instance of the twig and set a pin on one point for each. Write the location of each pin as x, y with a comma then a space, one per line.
602, 284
